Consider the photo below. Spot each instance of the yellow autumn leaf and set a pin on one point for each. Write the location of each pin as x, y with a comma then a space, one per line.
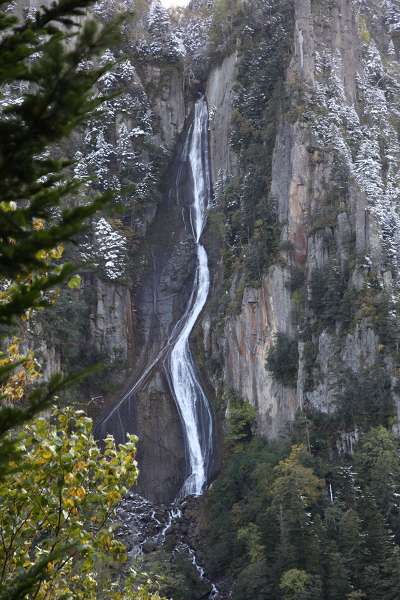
80, 492
38, 223
54, 298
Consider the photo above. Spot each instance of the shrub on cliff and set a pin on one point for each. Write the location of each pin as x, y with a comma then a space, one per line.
283, 359
241, 416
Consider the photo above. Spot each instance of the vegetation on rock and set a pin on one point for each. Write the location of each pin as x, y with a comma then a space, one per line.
244, 204
283, 359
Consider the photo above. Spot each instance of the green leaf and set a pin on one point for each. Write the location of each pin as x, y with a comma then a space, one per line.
75, 282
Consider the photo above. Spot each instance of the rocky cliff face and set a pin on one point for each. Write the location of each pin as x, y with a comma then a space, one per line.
219, 95
333, 181
142, 268
303, 237
155, 301
247, 339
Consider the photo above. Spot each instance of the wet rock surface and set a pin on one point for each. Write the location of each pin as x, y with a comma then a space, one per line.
172, 528
146, 527
160, 298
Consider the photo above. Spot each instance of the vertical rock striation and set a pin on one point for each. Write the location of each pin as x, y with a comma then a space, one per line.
334, 213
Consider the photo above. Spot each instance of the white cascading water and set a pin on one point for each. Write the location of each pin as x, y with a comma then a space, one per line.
189, 396
181, 370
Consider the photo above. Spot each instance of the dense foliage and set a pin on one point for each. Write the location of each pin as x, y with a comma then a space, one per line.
289, 520
57, 492
62, 497
175, 574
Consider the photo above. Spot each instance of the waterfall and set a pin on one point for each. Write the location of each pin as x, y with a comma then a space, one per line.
193, 177
184, 381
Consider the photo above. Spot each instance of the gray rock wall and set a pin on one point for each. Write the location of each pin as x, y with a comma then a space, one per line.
219, 96
169, 106
301, 183
246, 342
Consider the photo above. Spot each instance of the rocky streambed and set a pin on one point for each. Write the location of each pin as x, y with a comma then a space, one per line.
153, 532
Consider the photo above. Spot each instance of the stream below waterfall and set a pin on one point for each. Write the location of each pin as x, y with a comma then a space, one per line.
145, 528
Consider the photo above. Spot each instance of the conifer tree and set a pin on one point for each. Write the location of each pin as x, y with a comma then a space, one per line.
44, 57
59, 97
295, 492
